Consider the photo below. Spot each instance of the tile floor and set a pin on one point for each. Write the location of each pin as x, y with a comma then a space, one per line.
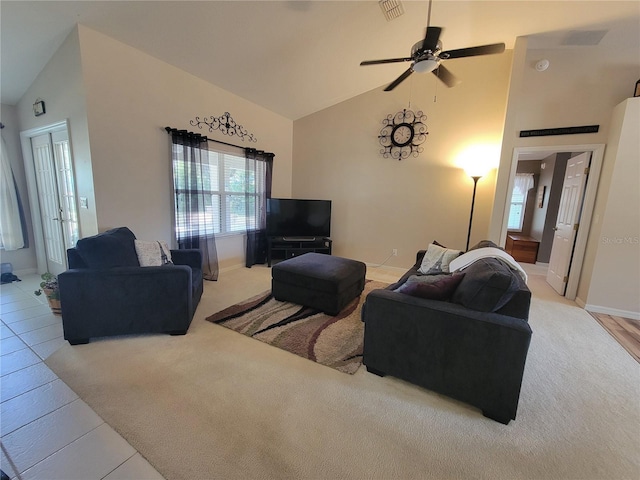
46, 431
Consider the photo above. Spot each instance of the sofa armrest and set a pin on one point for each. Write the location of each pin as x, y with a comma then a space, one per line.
476, 357
191, 257
114, 301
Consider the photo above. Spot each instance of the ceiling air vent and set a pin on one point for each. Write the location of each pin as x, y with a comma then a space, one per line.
391, 8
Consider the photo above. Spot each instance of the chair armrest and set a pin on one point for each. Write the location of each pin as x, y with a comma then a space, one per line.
191, 257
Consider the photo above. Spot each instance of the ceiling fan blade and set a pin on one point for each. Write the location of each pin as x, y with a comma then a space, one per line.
448, 78
399, 80
431, 38
388, 60
474, 51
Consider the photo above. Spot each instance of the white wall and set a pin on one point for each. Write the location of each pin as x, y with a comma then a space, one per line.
615, 277
575, 90
131, 97
60, 86
380, 204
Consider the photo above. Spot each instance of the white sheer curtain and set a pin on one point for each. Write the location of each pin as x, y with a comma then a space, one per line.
523, 183
10, 225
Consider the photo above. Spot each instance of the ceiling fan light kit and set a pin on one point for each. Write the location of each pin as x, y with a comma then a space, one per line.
425, 66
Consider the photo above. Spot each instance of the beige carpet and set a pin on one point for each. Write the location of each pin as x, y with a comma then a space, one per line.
215, 404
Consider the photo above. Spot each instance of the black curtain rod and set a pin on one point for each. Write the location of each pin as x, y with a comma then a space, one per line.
171, 130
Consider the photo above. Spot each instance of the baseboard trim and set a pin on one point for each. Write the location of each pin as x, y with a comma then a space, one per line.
232, 267
389, 268
612, 311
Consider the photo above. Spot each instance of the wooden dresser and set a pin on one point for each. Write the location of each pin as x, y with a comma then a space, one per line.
522, 248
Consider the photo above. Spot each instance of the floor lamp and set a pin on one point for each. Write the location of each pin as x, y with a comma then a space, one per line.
473, 201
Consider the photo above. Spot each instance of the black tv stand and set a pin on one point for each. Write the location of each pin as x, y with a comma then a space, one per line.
300, 239
289, 247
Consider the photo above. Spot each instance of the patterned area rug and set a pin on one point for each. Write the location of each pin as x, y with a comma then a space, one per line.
332, 341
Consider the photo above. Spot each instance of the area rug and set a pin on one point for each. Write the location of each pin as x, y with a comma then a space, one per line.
334, 341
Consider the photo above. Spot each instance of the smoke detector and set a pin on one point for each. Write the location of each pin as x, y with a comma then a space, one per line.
542, 65
391, 8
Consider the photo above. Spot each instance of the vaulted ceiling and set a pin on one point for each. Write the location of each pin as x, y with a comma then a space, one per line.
298, 57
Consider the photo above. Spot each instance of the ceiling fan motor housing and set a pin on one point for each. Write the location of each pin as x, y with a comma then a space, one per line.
417, 49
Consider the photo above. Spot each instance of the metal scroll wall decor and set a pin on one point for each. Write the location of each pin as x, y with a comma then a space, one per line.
226, 124
403, 134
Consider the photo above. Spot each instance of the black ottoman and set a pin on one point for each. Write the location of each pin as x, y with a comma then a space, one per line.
319, 281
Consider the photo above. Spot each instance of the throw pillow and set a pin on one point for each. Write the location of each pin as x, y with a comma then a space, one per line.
153, 254
441, 289
437, 259
487, 286
113, 248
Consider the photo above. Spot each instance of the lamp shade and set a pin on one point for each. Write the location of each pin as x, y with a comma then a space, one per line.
478, 169
477, 160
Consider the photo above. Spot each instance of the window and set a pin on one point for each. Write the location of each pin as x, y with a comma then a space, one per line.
227, 193
523, 183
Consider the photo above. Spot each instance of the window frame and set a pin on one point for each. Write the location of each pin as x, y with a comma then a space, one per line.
219, 159
522, 204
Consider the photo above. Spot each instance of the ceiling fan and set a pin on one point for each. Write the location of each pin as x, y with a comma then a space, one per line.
427, 55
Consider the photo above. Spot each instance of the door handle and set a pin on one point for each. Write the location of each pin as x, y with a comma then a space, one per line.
555, 229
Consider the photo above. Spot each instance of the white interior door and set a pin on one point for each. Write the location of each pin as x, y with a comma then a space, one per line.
56, 196
568, 221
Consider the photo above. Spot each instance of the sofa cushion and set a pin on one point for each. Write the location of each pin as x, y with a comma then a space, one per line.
152, 254
113, 248
437, 259
487, 286
440, 288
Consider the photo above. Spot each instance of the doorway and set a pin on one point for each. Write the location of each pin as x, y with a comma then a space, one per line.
52, 194
579, 245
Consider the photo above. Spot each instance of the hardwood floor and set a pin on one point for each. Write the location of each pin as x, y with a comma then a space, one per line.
624, 330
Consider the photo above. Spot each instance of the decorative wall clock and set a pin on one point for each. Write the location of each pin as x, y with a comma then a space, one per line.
403, 134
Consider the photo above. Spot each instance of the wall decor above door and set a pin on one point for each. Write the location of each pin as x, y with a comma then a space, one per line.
403, 134
226, 124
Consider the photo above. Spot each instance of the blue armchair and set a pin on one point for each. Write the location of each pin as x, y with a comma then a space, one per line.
106, 292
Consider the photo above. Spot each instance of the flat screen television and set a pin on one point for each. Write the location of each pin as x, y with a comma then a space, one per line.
295, 218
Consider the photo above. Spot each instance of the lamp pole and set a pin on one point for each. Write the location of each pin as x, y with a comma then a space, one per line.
473, 201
